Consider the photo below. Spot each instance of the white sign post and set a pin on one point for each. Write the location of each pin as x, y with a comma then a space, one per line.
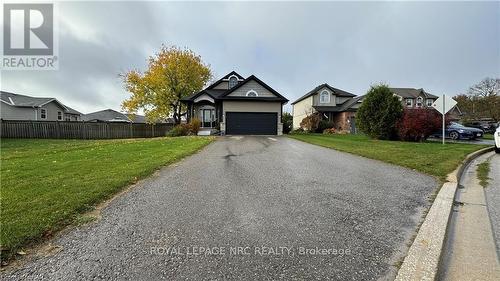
443, 105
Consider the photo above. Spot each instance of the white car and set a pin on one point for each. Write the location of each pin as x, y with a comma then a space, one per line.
497, 139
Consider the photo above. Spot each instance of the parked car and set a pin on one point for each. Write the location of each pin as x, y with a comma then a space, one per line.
497, 139
486, 126
456, 131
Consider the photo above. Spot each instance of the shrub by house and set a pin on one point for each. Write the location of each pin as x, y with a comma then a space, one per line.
418, 124
379, 113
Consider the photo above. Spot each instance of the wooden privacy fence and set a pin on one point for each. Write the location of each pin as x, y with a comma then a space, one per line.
81, 130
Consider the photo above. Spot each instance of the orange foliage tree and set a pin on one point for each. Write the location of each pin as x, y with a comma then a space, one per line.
172, 74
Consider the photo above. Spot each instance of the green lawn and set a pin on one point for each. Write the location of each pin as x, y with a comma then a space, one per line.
428, 157
45, 184
488, 136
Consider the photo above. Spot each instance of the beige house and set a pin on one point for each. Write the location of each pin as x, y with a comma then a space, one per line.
238, 106
332, 104
21, 107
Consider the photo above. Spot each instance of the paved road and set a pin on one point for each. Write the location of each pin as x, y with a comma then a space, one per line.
476, 141
273, 197
493, 198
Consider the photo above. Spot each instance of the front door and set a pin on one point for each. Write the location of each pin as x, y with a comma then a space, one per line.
352, 123
208, 118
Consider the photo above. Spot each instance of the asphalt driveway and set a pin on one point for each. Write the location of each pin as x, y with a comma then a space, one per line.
266, 208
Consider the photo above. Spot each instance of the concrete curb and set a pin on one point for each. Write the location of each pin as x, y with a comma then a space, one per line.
424, 255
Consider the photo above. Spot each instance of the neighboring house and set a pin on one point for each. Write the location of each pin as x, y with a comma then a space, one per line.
106, 115
238, 106
414, 98
419, 98
110, 115
136, 118
332, 104
21, 107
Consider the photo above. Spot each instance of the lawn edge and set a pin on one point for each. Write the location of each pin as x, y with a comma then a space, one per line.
9, 257
423, 259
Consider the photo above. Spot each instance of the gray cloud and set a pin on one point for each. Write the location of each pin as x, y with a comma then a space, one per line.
293, 46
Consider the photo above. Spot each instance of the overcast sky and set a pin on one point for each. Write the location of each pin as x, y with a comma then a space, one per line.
292, 46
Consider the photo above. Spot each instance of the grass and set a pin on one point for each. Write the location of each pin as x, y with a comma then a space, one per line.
488, 136
47, 184
427, 157
483, 171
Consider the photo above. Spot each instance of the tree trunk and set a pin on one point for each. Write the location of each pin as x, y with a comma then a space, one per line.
177, 120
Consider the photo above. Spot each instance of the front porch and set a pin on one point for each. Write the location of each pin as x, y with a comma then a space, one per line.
343, 121
209, 114
207, 132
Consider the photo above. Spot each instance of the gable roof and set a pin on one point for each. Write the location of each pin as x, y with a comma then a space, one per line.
73, 111
226, 77
214, 93
18, 100
350, 103
136, 118
25, 101
106, 115
222, 94
337, 92
411, 93
231, 74
254, 78
346, 106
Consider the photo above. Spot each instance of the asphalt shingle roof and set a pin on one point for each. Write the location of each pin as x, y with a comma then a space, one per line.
22, 100
337, 92
136, 118
411, 92
106, 115
223, 93
18, 100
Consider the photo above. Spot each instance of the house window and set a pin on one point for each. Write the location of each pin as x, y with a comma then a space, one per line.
67, 118
409, 102
59, 115
429, 102
43, 113
324, 97
233, 81
419, 101
252, 93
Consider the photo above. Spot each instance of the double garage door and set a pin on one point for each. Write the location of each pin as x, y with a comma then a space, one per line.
251, 123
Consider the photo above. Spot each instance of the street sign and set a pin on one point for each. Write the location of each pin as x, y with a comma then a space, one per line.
444, 104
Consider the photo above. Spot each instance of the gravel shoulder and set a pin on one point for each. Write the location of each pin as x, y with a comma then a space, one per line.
266, 199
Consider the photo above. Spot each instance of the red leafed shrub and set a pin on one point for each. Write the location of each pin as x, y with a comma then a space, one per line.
417, 124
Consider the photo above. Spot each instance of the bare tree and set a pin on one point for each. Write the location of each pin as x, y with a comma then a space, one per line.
487, 87
482, 100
